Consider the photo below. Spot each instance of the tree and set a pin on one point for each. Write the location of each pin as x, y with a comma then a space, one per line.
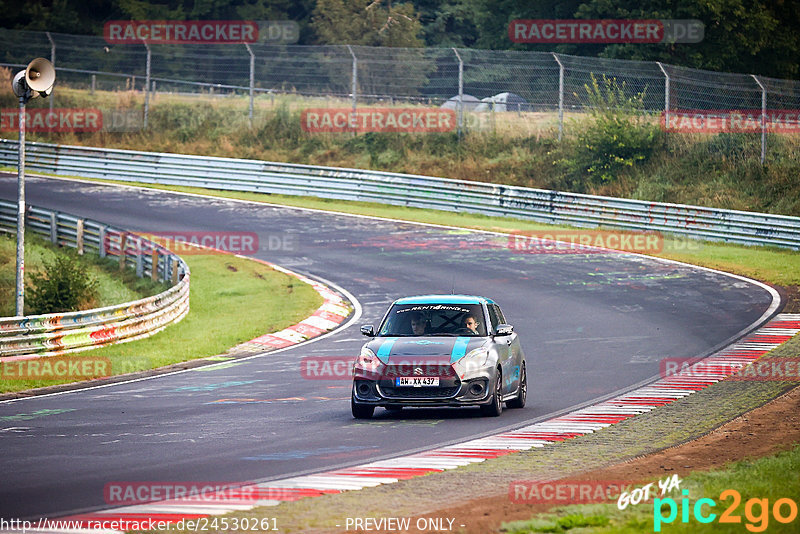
366, 22
448, 23
748, 36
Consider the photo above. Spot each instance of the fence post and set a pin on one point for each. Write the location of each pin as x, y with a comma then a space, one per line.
147, 87
94, 83
79, 237
123, 238
460, 119
252, 80
101, 235
154, 264
139, 258
54, 227
763, 119
53, 61
560, 96
20, 256
355, 78
666, 95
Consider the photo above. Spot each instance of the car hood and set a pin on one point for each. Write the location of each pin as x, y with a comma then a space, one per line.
431, 349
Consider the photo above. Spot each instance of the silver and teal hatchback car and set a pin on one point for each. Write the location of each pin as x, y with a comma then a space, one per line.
440, 350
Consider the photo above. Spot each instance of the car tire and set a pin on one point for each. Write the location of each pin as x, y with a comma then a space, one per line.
361, 411
522, 393
495, 408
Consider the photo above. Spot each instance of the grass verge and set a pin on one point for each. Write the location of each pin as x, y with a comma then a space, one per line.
763, 480
113, 287
232, 300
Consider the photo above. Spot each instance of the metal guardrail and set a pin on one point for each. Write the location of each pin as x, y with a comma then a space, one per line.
59, 333
541, 205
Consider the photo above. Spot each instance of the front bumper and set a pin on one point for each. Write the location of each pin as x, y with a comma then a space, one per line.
473, 392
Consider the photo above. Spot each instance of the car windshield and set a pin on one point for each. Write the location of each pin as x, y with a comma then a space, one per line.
434, 319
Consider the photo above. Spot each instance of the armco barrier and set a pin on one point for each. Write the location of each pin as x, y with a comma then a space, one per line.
408, 190
59, 333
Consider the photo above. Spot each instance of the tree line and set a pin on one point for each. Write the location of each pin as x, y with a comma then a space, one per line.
749, 36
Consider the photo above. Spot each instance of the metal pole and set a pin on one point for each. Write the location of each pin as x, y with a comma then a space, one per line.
252, 80
20, 300
763, 119
666, 95
460, 92
53, 61
355, 79
560, 97
147, 87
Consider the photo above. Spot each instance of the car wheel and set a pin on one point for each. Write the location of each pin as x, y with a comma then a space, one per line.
495, 408
522, 395
361, 411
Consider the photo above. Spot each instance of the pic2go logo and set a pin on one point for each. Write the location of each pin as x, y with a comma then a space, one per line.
756, 511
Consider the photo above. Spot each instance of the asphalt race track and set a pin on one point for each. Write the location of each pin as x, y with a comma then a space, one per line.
590, 325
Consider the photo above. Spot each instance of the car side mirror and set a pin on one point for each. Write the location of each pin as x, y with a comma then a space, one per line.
368, 330
504, 330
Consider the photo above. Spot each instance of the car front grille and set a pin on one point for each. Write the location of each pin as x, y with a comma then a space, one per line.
443, 371
419, 393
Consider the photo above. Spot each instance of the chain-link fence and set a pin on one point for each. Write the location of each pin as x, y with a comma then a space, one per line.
474, 81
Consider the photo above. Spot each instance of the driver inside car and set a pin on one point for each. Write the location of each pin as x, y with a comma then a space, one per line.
471, 324
419, 325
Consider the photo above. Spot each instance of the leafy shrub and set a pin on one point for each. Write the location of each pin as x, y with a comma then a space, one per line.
618, 135
63, 287
282, 127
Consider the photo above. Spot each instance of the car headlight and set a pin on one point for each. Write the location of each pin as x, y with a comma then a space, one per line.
471, 363
367, 365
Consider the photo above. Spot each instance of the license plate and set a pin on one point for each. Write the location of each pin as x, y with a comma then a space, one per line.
417, 381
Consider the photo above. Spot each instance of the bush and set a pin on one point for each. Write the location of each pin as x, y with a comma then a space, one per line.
618, 134
63, 287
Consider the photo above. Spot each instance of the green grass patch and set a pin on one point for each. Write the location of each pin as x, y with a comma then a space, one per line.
770, 478
113, 287
559, 524
770, 264
232, 300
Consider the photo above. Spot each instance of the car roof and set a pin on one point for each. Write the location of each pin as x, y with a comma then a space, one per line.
444, 299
